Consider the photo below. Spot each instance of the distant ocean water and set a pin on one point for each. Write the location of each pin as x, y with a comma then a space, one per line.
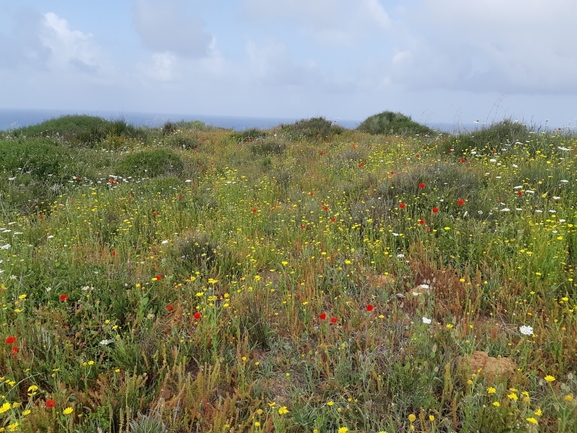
18, 118
14, 118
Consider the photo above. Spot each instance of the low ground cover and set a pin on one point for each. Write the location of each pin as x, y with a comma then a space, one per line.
304, 278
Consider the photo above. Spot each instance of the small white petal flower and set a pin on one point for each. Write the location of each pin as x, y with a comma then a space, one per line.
426, 321
526, 330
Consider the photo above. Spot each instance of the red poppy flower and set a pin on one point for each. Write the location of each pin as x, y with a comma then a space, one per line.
50, 403
197, 315
322, 316
153, 214
303, 227
333, 219
402, 205
325, 208
158, 277
63, 298
370, 307
254, 210
435, 209
461, 202
113, 253
422, 185
15, 350
520, 192
180, 197
169, 307
421, 221
334, 320
463, 160
10, 340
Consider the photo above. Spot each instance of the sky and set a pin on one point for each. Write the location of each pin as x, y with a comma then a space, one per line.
438, 61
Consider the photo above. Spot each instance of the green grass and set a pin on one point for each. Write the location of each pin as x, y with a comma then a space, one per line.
189, 278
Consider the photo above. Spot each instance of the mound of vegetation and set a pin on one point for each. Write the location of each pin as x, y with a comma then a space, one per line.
80, 129
248, 135
490, 139
316, 128
389, 122
151, 163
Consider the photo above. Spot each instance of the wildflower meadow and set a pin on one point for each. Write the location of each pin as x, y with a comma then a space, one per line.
306, 278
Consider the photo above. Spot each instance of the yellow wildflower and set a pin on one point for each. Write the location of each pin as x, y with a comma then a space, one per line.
283, 410
6, 406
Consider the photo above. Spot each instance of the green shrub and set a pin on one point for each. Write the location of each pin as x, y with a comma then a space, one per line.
490, 139
392, 123
81, 129
183, 141
151, 163
248, 135
268, 147
40, 158
317, 128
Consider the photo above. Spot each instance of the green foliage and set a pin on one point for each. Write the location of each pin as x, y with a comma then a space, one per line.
151, 163
316, 128
39, 158
390, 123
490, 139
287, 285
270, 146
81, 129
147, 424
248, 135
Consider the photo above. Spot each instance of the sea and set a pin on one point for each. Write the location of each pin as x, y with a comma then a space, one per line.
18, 118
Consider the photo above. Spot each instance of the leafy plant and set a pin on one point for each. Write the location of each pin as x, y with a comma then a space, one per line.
317, 128
151, 163
391, 123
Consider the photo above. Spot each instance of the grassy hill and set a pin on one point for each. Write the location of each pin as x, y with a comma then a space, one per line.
306, 278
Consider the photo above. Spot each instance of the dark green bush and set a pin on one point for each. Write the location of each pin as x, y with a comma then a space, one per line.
169, 128
317, 128
392, 123
151, 163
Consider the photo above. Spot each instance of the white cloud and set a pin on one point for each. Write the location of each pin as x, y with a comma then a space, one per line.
166, 25
23, 47
162, 67
516, 46
330, 23
70, 48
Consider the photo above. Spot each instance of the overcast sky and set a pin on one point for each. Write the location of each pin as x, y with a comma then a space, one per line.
453, 61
